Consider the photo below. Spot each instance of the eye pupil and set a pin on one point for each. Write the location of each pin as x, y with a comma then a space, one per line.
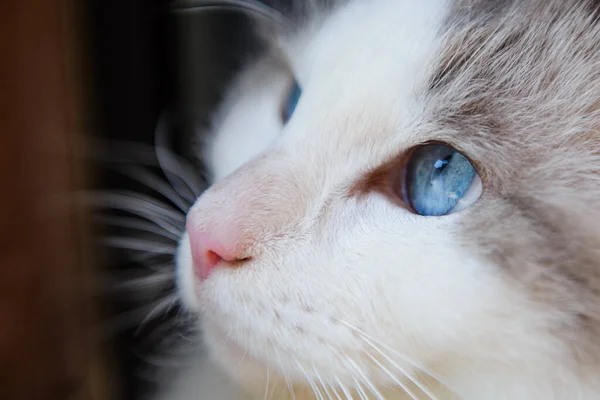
437, 178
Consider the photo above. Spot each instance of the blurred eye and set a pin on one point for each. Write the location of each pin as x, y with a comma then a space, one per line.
439, 181
291, 101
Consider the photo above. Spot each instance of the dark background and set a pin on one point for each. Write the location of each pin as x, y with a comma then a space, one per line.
144, 60
130, 65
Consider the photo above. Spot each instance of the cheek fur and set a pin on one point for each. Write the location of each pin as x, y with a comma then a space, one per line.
389, 277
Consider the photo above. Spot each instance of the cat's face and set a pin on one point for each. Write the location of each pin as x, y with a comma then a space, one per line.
339, 269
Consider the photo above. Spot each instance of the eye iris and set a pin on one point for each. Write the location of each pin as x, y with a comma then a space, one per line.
437, 177
291, 102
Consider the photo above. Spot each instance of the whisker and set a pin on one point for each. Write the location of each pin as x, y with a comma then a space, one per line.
173, 230
344, 389
321, 382
165, 162
366, 380
359, 389
128, 320
149, 260
310, 381
275, 390
163, 307
139, 245
135, 203
139, 225
267, 384
239, 363
139, 153
176, 357
396, 380
405, 358
253, 6
161, 278
284, 373
153, 182
163, 331
319, 393
335, 392
163, 362
153, 224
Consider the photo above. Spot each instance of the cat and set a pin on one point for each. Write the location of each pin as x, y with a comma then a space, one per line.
405, 204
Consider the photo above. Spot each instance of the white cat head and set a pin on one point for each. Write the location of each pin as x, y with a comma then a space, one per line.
320, 271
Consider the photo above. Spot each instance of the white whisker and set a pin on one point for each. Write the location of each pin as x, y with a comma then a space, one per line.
321, 382
365, 336
163, 307
267, 384
396, 380
158, 279
163, 330
344, 389
167, 163
284, 373
146, 155
319, 393
135, 203
335, 392
140, 245
150, 260
365, 379
310, 381
140, 225
359, 389
130, 319
239, 363
252, 6
155, 183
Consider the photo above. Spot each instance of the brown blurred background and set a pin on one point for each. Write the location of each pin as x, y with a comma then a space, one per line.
45, 310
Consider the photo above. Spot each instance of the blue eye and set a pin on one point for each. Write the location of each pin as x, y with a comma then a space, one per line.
291, 102
440, 180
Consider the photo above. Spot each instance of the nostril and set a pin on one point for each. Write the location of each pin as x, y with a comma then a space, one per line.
212, 257
208, 253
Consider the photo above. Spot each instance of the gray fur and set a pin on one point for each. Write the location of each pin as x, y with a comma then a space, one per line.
518, 90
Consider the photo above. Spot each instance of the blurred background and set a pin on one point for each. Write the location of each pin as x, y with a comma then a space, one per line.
86, 90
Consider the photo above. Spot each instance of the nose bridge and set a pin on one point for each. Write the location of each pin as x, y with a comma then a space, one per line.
264, 199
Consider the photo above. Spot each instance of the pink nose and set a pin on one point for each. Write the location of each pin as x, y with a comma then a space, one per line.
208, 251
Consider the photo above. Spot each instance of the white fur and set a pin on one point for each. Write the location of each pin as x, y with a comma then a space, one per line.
249, 119
328, 263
